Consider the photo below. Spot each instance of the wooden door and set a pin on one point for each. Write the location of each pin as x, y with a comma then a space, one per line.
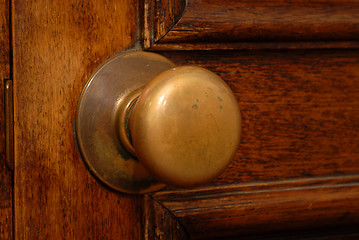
296, 82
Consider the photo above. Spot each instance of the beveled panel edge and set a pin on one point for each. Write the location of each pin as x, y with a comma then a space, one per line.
159, 223
265, 207
207, 192
157, 18
206, 25
303, 45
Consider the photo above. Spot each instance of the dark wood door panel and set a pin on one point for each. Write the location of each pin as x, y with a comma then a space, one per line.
297, 166
300, 111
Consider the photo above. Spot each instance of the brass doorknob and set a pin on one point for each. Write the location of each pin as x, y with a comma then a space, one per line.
142, 123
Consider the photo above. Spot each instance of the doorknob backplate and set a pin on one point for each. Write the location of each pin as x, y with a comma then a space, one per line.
141, 118
97, 117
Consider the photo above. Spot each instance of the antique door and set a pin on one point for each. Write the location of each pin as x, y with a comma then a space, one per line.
293, 66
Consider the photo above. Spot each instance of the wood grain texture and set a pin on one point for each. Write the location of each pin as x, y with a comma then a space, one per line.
57, 44
296, 169
6, 176
211, 21
263, 208
158, 17
160, 224
300, 123
300, 111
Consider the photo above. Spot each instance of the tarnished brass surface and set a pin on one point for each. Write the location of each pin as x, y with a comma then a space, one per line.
122, 120
185, 126
97, 120
142, 122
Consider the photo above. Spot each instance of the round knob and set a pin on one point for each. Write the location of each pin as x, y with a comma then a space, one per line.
177, 125
185, 126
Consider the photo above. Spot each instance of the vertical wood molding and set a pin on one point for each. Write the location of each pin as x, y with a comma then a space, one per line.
6, 176
57, 44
